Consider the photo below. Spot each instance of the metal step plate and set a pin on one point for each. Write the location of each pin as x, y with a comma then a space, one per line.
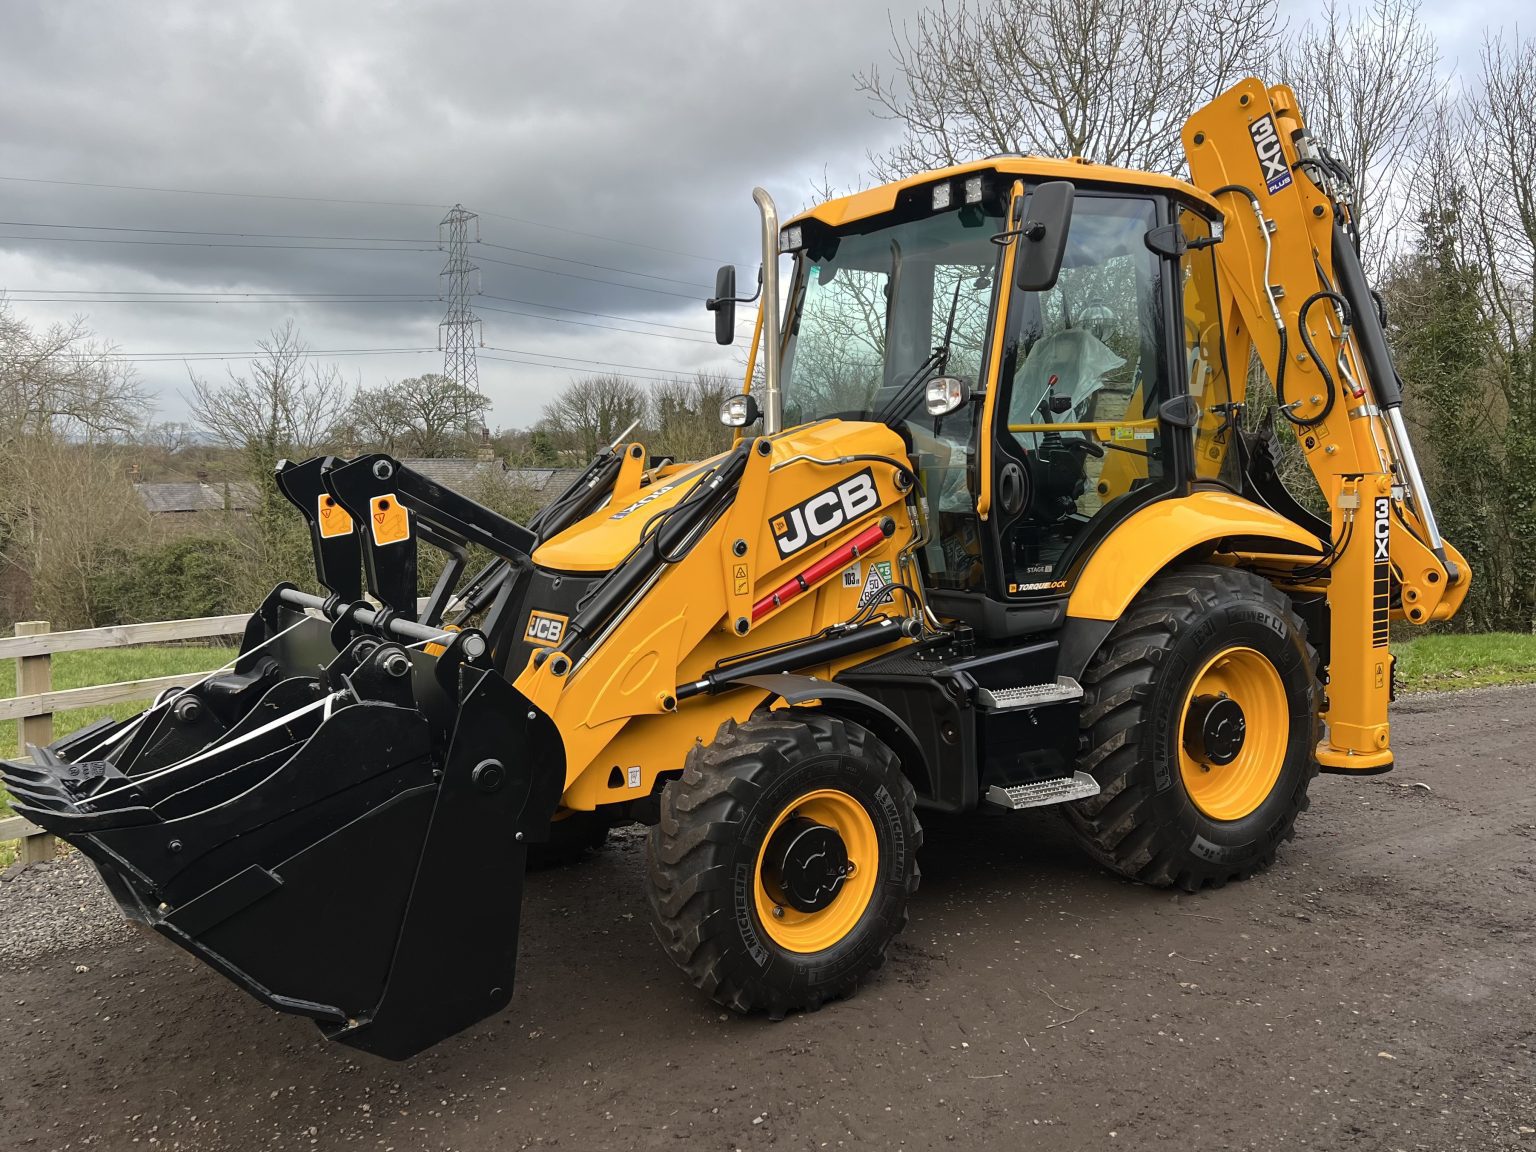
1063, 689
1078, 786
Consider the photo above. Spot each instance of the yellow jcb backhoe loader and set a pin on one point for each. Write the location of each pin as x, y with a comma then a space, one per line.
993, 532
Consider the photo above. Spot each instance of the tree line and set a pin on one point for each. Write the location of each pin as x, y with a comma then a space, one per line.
80, 548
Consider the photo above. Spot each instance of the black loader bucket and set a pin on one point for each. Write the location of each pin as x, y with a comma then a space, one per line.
339, 824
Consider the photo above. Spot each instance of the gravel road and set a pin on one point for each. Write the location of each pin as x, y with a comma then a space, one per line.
1372, 991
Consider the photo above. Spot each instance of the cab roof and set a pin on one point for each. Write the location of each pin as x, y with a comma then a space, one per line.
882, 199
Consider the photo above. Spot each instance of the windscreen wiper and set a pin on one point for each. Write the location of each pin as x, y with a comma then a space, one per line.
936, 362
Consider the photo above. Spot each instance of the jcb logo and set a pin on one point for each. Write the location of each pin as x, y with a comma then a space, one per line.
544, 628
810, 520
1383, 530
1266, 142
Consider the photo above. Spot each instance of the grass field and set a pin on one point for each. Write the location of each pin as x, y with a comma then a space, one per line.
1446, 663
82, 669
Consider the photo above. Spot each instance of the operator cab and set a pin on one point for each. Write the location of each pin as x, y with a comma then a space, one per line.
1069, 380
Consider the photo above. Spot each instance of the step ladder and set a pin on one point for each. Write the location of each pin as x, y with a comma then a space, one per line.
1061, 691
1078, 786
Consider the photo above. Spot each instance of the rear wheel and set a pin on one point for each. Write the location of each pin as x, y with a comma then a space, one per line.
1201, 713
783, 861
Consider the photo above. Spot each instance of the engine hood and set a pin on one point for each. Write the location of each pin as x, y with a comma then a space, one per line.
600, 542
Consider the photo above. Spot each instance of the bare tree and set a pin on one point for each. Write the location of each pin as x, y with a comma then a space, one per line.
286, 406
62, 380
593, 412
1500, 177
685, 414
1369, 85
418, 416
1111, 80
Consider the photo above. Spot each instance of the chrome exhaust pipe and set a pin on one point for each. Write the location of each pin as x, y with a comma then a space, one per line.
772, 397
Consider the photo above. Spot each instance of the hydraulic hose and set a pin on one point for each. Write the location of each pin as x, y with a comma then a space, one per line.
1346, 318
1269, 293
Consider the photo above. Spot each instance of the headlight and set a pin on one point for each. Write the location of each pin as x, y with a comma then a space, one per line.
739, 411
791, 239
946, 393
943, 194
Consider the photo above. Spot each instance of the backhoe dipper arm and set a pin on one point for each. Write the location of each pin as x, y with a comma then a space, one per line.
1293, 290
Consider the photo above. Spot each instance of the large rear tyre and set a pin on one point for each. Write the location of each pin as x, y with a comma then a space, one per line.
1201, 712
783, 861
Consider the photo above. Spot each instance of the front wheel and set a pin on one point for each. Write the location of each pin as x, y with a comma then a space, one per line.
782, 865
1201, 712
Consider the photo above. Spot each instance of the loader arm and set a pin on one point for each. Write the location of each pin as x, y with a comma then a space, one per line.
1293, 291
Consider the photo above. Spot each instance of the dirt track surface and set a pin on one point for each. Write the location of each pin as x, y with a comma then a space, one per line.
1373, 991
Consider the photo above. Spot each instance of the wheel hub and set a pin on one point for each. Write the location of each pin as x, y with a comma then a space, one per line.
1214, 729
809, 863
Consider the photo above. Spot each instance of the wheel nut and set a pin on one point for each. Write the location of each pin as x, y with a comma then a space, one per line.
778, 912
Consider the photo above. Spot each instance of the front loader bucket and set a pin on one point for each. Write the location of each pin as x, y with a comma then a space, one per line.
340, 831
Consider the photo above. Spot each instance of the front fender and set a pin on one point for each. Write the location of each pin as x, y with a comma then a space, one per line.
849, 703
1154, 536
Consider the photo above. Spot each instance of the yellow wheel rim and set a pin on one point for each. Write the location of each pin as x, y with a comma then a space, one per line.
1235, 789
797, 931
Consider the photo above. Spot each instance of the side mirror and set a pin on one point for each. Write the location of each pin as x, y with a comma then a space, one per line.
723, 304
1043, 238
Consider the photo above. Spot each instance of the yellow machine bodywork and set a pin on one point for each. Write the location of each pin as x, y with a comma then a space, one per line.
617, 710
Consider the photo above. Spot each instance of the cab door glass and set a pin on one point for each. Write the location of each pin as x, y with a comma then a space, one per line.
1205, 354
1081, 412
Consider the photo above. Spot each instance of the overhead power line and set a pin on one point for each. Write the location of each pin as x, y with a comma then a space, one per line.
590, 324
151, 357
598, 236
222, 302
336, 200
191, 232
603, 315
586, 264
205, 292
603, 363
206, 192
209, 244
591, 279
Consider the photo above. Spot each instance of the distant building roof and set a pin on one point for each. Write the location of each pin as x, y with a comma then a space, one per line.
549, 481
454, 471
163, 498
461, 473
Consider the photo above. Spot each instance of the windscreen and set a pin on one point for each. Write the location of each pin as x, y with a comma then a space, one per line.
874, 307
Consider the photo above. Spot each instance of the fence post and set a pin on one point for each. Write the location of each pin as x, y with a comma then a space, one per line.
34, 674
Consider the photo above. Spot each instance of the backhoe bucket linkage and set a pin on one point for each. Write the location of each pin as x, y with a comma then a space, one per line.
343, 833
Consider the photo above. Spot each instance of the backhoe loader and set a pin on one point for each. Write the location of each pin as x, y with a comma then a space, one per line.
997, 530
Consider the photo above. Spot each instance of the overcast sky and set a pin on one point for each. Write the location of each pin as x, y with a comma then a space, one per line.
596, 141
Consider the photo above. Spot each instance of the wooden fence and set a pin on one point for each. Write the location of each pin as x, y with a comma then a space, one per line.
35, 701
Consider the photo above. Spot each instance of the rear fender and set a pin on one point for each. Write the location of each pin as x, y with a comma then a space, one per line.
1154, 536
